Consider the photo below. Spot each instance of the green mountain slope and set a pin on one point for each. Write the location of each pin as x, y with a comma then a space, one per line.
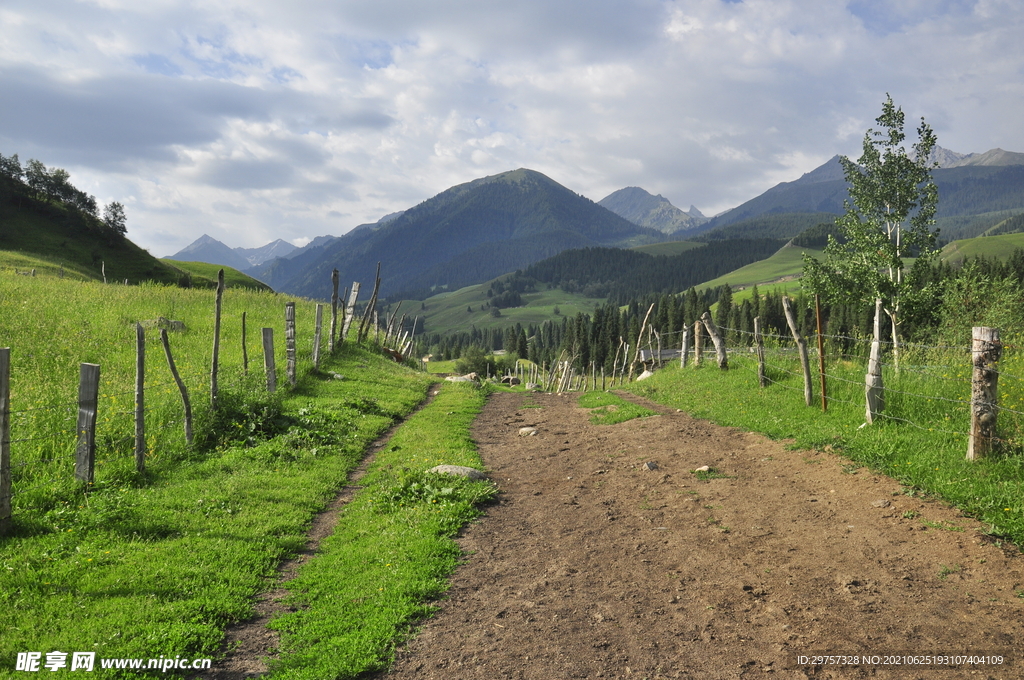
465, 235
205, 274
1000, 247
61, 234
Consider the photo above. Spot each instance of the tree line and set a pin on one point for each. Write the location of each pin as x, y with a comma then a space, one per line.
36, 181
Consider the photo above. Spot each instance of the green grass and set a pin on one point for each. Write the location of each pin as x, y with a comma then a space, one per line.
159, 565
609, 409
783, 268
921, 442
205, 274
392, 550
1000, 247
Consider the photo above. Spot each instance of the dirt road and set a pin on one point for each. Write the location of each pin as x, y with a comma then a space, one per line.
591, 566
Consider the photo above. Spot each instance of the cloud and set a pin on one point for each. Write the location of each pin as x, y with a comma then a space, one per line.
257, 120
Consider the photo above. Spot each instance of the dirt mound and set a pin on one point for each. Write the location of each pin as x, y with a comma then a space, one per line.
590, 566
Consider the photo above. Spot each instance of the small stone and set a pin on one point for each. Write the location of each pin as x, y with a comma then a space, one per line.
650, 465
527, 431
458, 470
881, 503
703, 468
644, 376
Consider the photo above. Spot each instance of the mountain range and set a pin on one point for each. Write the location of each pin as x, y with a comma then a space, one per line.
479, 230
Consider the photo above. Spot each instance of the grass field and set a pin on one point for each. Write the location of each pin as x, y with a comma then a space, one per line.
157, 564
781, 270
985, 246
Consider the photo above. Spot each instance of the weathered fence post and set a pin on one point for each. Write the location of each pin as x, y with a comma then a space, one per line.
334, 311
821, 353
88, 400
186, 403
140, 398
801, 345
268, 359
684, 350
698, 342
986, 350
216, 340
5, 440
370, 308
245, 352
717, 339
350, 310
762, 377
289, 342
316, 335
874, 390
639, 341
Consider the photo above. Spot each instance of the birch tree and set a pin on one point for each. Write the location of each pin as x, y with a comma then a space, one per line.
889, 218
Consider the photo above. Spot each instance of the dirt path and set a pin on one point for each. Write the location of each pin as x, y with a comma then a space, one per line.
590, 566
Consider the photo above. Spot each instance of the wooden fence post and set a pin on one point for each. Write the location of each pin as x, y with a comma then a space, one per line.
698, 342
874, 390
350, 310
88, 400
140, 398
185, 402
289, 342
268, 359
762, 377
801, 345
5, 440
684, 350
821, 353
986, 350
316, 335
245, 352
370, 308
639, 341
334, 311
216, 340
717, 339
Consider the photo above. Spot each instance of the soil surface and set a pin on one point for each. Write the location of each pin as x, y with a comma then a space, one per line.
591, 565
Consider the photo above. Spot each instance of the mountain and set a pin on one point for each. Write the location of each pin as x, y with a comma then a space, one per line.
970, 187
257, 256
210, 250
467, 234
641, 208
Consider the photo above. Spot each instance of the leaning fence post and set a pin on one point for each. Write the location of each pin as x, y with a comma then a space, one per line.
5, 440
140, 404
986, 351
268, 359
88, 399
185, 402
350, 310
717, 339
801, 345
334, 310
762, 377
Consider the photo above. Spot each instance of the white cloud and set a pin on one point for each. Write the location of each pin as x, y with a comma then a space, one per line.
257, 120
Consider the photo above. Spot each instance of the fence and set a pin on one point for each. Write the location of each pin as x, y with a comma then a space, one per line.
65, 444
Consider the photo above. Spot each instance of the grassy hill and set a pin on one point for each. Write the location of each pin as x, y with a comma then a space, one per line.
985, 246
58, 234
205, 274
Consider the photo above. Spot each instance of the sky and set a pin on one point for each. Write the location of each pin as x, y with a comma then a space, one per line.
252, 120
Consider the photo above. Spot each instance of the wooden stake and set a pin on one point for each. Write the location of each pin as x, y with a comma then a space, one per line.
801, 345
268, 359
216, 340
88, 402
5, 440
289, 343
245, 352
717, 339
762, 378
698, 343
140, 401
186, 404
316, 335
874, 390
334, 311
350, 311
986, 350
821, 353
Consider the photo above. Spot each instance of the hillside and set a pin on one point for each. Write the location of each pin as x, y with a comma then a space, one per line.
62, 234
999, 247
204, 274
467, 234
